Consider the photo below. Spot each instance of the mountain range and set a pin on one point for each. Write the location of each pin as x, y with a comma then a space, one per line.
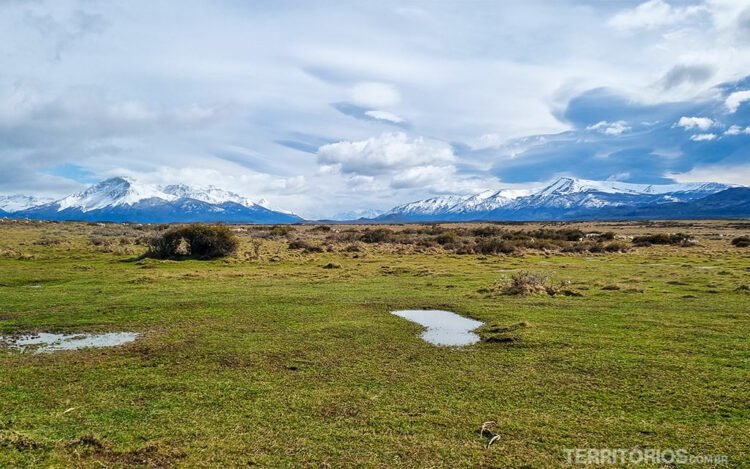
580, 199
122, 199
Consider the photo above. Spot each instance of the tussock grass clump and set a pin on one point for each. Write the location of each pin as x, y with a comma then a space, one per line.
531, 283
193, 241
741, 242
528, 283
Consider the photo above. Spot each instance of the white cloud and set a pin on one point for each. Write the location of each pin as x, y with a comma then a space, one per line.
655, 14
703, 137
702, 123
737, 130
610, 128
421, 176
385, 116
395, 161
178, 94
734, 100
375, 95
387, 152
727, 174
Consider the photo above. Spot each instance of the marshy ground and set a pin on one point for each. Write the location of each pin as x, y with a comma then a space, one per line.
287, 355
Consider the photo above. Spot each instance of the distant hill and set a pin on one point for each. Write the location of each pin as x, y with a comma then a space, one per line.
125, 200
575, 199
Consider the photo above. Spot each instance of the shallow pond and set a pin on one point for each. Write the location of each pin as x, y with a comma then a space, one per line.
443, 327
45, 342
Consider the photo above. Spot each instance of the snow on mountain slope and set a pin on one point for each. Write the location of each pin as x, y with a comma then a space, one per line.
16, 203
210, 194
495, 200
112, 193
125, 200
564, 194
568, 185
430, 206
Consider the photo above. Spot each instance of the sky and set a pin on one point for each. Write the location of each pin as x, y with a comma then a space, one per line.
322, 107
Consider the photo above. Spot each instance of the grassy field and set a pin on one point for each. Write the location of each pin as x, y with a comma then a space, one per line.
269, 359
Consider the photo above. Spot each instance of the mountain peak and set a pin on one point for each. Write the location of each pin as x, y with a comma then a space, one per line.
566, 196
125, 199
112, 192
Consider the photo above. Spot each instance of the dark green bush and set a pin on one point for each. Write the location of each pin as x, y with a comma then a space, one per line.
563, 234
741, 242
662, 238
448, 237
494, 246
378, 235
193, 241
617, 247
486, 231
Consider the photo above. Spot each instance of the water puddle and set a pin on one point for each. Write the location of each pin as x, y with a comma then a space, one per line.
443, 327
45, 342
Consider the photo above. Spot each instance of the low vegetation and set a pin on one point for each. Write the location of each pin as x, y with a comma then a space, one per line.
279, 357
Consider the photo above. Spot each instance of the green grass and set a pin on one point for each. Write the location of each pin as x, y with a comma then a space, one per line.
287, 364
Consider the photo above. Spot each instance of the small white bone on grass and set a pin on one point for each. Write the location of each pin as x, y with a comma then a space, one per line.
493, 440
486, 426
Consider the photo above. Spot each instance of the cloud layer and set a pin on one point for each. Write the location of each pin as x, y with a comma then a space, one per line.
374, 103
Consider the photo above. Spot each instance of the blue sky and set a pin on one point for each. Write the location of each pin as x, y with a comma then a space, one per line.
322, 107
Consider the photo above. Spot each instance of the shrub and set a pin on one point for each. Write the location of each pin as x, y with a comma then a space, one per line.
661, 238
304, 246
617, 247
741, 242
378, 235
196, 241
486, 231
494, 246
281, 230
448, 237
563, 234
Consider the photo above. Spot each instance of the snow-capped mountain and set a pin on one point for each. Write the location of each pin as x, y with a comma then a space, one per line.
123, 199
115, 192
565, 198
16, 203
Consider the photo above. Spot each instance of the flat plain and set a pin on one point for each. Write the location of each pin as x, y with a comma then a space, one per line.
287, 354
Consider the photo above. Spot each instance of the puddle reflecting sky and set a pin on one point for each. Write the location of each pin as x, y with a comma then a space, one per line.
443, 327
